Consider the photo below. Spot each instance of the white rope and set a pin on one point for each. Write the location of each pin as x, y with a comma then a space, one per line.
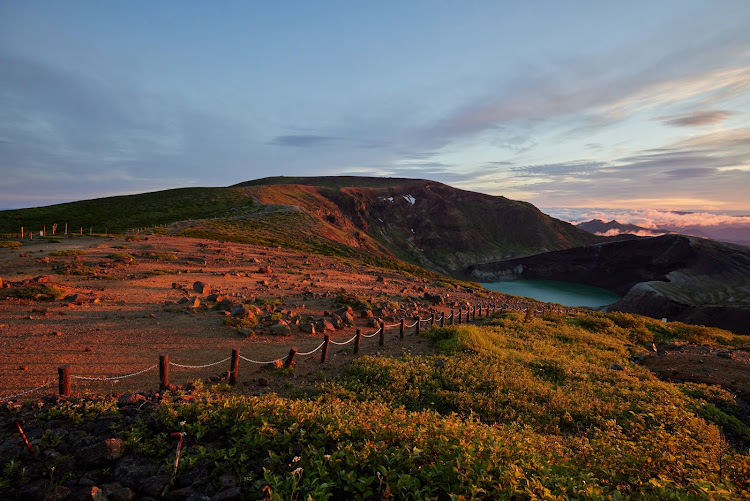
392, 325
373, 334
258, 362
27, 392
313, 351
425, 320
412, 325
199, 366
104, 378
345, 342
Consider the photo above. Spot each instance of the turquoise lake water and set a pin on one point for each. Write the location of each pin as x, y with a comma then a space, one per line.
552, 291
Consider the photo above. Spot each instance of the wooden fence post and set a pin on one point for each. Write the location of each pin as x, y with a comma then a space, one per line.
460, 314
290, 357
419, 319
66, 228
382, 333
163, 371
21, 232
357, 341
401, 329
453, 317
442, 320
326, 342
432, 319
63, 373
234, 366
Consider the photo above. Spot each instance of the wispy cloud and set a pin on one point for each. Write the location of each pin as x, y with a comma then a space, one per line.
695, 118
303, 141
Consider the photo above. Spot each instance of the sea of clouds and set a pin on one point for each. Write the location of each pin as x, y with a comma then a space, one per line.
651, 218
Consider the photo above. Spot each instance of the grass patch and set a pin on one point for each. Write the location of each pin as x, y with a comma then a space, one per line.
8, 244
81, 270
69, 252
241, 323
162, 256
122, 257
39, 292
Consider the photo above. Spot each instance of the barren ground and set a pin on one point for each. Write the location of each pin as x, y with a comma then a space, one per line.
122, 318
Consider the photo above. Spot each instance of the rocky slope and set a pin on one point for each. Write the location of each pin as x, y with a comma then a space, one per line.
429, 223
423, 222
681, 278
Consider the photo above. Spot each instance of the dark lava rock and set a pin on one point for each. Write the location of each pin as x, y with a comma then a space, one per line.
132, 469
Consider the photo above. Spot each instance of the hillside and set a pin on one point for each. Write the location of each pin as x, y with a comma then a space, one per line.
524, 401
678, 277
387, 219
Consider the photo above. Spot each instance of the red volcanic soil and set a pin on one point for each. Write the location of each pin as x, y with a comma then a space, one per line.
127, 312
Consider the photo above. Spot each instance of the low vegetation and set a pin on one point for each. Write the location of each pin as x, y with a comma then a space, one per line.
69, 252
39, 292
7, 244
519, 408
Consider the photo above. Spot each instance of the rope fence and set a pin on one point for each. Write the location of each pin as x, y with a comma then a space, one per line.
64, 376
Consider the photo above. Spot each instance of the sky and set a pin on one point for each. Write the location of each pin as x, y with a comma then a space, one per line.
639, 104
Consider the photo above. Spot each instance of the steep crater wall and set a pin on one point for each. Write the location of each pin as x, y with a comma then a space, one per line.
681, 278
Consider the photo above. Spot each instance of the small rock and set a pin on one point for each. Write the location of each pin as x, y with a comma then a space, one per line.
90, 493
726, 354
307, 327
380, 279
201, 287
617, 367
154, 486
131, 399
116, 492
230, 494
263, 382
265, 270
225, 304
193, 302
106, 451
59, 493
367, 314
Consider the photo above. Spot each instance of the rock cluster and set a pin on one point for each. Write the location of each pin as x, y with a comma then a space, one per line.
91, 461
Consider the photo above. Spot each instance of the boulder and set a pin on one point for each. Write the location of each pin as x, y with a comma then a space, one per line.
325, 326
348, 318
265, 270
225, 304
367, 314
341, 311
307, 327
281, 329
239, 311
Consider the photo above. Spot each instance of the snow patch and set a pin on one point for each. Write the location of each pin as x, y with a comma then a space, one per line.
410, 199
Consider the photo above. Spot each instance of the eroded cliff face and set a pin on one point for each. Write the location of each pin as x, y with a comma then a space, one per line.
447, 229
681, 278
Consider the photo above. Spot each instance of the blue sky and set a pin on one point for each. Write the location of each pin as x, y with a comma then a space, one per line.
566, 104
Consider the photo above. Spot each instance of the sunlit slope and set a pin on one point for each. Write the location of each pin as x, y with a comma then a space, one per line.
423, 222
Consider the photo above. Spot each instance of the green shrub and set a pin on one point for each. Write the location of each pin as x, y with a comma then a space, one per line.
6, 244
